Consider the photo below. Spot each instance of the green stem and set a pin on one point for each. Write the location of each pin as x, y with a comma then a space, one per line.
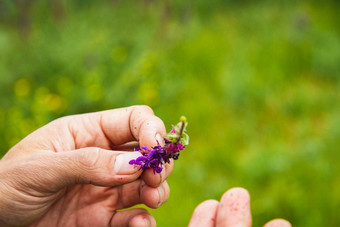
181, 131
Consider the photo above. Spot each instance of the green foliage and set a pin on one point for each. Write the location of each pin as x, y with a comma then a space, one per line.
259, 82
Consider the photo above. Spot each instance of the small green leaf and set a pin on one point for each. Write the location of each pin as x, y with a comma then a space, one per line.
184, 139
178, 137
178, 126
172, 137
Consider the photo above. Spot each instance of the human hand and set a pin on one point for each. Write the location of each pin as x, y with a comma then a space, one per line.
232, 211
67, 174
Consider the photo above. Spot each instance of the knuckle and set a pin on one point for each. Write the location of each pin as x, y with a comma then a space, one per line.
61, 120
88, 159
143, 108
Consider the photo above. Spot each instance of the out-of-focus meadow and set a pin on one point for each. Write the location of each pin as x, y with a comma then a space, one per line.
258, 81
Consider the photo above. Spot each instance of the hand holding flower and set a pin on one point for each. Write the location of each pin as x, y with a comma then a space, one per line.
72, 172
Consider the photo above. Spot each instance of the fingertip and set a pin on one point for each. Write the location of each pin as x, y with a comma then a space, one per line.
155, 197
152, 178
164, 196
143, 220
124, 171
210, 204
133, 217
152, 131
205, 214
150, 196
155, 179
278, 223
237, 193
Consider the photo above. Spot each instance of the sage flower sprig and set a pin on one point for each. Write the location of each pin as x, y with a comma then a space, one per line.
174, 142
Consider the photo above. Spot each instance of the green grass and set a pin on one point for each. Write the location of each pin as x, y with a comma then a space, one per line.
258, 82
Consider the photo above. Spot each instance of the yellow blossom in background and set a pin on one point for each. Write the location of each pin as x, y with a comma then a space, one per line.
53, 102
119, 54
22, 87
148, 93
65, 85
94, 92
148, 62
130, 77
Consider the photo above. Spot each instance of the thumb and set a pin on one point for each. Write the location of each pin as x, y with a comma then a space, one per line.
96, 166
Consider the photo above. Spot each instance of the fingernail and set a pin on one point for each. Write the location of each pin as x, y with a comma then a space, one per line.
159, 139
161, 195
122, 166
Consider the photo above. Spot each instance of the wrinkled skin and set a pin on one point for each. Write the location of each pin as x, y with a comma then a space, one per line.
68, 174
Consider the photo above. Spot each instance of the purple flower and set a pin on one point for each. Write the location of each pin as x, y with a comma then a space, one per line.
158, 155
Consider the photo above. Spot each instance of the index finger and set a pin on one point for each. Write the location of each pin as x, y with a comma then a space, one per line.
110, 128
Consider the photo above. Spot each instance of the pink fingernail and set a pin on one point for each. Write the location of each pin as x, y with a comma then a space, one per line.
159, 139
122, 166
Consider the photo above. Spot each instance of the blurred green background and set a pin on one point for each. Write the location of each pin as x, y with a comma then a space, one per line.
258, 81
